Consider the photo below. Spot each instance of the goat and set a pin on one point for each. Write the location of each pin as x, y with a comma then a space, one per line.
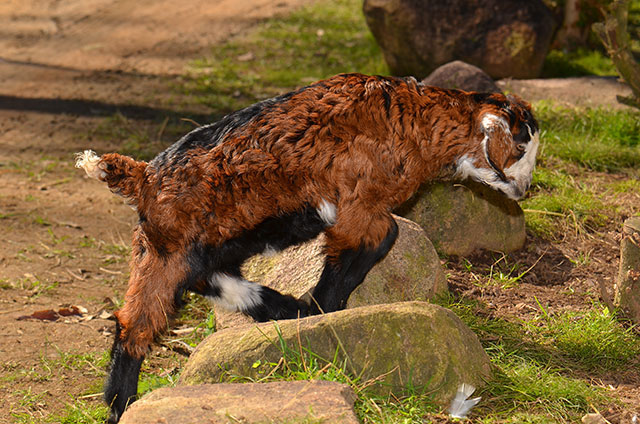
335, 157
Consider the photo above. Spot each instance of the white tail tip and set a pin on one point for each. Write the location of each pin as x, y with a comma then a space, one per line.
88, 160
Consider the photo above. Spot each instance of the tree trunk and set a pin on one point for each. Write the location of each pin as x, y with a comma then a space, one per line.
615, 36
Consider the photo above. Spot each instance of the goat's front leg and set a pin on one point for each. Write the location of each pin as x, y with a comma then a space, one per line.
354, 246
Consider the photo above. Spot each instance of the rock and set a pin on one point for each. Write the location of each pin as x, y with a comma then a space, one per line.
462, 218
403, 344
627, 286
279, 402
462, 76
504, 38
411, 271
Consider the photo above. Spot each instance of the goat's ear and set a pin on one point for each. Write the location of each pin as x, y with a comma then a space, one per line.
491, 123
497, 142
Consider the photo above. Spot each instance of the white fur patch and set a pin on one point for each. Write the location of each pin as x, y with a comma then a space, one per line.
466, 169
490, 121
518, 174
327, 212
89, 161
522, 170
236, 294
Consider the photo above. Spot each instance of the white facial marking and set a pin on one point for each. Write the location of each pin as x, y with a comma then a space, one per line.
523, 168
518, 174
236, 294
88, 160
327, 212
466, 169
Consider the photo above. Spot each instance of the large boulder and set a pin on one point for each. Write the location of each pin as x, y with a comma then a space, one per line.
627, 287
402, 346
462, 218
506, 38
278, 402
411, 271
462, 76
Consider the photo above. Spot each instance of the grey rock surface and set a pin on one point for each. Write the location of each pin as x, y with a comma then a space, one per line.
278, 402
398, 345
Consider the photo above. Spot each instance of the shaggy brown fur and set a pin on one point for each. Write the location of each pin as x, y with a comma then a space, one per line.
361, 144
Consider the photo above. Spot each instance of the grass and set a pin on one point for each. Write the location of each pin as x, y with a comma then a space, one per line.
582, 62
575, 142
283, 53
595, 138
539, 365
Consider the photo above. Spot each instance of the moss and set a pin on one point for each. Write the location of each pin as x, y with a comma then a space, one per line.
518, 43
414, 345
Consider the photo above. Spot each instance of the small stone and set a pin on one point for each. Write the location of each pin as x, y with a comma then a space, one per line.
462, 76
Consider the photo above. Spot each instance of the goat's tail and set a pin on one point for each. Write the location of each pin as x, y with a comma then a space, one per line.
123, 175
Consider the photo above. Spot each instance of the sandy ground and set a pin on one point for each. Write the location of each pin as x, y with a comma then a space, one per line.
65, 68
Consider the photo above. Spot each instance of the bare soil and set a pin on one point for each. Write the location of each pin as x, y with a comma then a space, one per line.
65, 69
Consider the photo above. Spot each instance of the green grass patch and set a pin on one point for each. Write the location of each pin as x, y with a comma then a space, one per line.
315, 42
535, 362
79, 411
593, 339
596, 138
580, 139
582, 62
558, 202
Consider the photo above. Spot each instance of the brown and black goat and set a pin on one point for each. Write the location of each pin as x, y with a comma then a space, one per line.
335, 157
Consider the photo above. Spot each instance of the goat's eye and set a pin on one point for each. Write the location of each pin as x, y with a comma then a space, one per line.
521, 147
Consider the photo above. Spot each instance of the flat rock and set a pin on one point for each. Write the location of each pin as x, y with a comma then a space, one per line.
400, 345
278, 402
411, 271
462, 218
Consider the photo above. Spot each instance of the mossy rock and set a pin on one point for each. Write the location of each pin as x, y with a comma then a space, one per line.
462, 218
405, 346
411, 271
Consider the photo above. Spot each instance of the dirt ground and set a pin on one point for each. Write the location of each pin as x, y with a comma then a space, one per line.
65, 68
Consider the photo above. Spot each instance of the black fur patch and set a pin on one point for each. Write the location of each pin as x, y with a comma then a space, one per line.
278, 233
340, 278
122, 385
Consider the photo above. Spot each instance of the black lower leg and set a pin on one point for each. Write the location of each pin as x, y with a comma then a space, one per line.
341, 277
277, 306
122, 383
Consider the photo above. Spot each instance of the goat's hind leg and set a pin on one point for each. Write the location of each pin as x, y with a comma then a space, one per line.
122, 384
226, 285
151, 299
231, 291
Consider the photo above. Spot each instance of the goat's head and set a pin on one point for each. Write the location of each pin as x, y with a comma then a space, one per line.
509, 137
